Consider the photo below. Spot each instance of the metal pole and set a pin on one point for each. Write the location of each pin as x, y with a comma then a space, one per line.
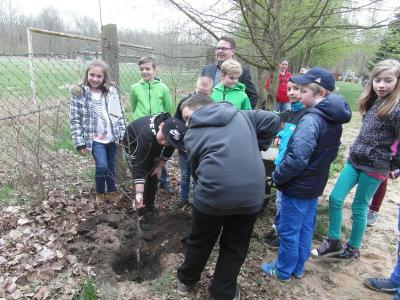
31, 67
101, 20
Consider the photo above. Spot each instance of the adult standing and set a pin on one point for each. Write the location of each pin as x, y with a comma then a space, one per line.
282, 102
225, 50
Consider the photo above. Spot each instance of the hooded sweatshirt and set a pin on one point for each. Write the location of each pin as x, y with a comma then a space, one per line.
233, 94
223, 147
149, 98
304, 169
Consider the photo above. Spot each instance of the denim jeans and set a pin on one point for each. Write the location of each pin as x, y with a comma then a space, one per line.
279, 106
164, 177
185, 176
296, 228
104, 157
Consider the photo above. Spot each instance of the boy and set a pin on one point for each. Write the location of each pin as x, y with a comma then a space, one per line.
229, 89
203, 86
149, 96
296, 112
303, 172
148, 143
223, 146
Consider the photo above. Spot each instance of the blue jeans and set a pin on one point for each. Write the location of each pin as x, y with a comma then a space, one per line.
279, 106
104, 157
395, 277
185, 176
296, 228
164, 177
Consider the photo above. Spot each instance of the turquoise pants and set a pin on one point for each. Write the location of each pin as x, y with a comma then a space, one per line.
366, 187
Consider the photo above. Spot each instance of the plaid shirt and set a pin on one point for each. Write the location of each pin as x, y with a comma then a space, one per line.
82, 118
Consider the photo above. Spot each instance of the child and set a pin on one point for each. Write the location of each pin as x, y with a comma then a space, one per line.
281, 99
223, 146
369, 159
148, 143
203, 86
97, 124
149, 96
377, 199
229, 89
303, 172
296, 112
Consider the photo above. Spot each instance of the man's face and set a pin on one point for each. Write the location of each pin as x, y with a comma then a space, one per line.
147, 71
283, 66
224, 51
186, 113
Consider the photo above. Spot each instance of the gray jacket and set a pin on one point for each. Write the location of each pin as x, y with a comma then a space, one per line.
223, 146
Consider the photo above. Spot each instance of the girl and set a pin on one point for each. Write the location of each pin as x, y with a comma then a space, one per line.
97, 124
369, 159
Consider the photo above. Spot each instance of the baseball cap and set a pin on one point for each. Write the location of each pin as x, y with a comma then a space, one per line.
316, 75
173, 131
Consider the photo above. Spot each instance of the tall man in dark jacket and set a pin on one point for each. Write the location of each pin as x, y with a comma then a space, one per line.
148, 143
223, 147
225, 50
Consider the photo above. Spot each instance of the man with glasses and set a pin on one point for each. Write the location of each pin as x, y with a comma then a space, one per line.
225, 50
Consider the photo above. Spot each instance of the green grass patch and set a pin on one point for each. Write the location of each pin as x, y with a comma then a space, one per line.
163, 285
337, 165
321, 226
63, 139
350, 91
88, 290
6, 194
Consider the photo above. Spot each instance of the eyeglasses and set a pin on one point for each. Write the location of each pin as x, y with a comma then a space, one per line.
222, 49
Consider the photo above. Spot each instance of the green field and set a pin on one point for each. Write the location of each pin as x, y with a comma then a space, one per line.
350, 91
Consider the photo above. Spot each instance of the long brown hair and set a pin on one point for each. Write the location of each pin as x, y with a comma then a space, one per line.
106, 81
368, 96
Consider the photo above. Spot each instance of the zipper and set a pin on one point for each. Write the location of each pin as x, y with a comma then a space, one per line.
223, 94
149, 99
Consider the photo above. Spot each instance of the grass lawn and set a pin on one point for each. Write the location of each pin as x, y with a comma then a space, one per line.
350, 91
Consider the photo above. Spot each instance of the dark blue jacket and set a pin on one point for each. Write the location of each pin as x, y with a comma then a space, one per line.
211, 69
304, 169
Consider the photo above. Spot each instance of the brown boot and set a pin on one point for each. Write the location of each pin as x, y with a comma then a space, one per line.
113, 197
100, 197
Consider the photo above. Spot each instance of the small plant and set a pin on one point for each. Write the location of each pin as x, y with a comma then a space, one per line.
88, 290
5, 193
163, 285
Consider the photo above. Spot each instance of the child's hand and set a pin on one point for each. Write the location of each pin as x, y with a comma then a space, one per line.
394, 174
277, 141
83, 151
138, 204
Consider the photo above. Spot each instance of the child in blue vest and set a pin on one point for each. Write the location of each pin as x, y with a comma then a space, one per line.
304, 169
297, 111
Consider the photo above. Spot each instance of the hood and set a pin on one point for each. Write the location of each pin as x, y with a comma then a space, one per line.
237, 87
216, 115
333, 109
155, 81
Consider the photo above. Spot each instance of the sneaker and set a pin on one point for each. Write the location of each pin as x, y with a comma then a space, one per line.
113, 197
328, 248
381, 285
271, 239
271, 271
348, 252
298, 275
372, 218
184, 289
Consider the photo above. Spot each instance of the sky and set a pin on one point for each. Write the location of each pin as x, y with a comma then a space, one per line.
132, 14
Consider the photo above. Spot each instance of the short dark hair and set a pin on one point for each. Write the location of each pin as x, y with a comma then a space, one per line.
229, 40
147, 59
196, 101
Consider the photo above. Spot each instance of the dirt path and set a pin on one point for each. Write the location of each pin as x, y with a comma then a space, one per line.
378, 251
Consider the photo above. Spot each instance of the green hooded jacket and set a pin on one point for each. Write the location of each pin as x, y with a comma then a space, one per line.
149, 98
234, 95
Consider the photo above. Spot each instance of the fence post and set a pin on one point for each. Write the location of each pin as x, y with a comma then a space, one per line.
109, 53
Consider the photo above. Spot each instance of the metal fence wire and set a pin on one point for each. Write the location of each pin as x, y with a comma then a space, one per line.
36, 150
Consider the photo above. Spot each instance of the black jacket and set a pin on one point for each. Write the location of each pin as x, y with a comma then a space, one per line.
223, 147
304, 169
211, 69
141, 147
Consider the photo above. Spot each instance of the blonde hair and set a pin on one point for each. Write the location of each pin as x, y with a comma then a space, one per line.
231, 66
369, 96
204, 85
316, 88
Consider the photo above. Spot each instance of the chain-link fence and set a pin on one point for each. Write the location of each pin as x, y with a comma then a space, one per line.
36, 150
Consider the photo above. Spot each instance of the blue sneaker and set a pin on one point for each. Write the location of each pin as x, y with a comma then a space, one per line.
381, 285
299, 275
271, 271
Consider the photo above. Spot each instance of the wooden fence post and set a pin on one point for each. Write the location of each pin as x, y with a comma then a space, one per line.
109, 53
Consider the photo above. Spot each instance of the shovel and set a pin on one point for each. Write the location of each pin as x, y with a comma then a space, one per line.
140, 236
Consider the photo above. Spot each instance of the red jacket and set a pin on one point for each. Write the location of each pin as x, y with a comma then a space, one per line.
281, 89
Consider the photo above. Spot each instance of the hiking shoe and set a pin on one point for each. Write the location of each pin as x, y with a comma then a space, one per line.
381, 285
348, 252
184, 289
298, 275
271, 239
328, 248
271, 271
372, 218
113, 197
